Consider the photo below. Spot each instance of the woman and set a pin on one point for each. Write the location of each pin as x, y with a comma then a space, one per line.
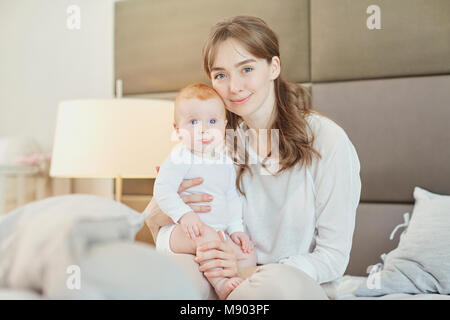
301, 215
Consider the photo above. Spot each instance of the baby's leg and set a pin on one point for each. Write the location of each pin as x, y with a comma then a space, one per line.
180, 243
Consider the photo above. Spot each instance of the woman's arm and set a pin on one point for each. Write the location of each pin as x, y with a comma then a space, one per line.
338, 187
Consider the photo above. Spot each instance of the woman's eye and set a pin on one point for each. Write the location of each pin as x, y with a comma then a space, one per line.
247, 69
212, 121
194, 122
219, 76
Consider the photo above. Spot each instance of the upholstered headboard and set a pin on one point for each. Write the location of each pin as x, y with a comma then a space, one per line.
158, 43
389, 88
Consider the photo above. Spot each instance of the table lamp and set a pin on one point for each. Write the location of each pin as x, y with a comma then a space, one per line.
114, 138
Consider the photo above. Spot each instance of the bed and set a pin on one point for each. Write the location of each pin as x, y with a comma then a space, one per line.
345, 288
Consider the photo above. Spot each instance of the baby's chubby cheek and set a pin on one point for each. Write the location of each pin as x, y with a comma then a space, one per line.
185, 136
217, 134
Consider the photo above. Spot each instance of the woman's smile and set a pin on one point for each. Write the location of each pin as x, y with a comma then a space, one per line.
241, 101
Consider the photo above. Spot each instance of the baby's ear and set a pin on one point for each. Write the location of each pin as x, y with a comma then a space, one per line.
225, 121
177, 131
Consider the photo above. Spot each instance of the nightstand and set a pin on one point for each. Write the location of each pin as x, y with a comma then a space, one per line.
137, 194
20, 184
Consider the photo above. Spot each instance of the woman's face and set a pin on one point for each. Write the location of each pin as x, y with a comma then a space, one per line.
245, 83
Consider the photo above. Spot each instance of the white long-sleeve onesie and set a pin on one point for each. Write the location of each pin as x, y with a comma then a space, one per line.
219, 178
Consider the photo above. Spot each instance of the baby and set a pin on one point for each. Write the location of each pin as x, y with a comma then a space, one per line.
200, 123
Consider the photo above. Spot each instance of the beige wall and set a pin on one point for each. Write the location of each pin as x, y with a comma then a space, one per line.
43, 62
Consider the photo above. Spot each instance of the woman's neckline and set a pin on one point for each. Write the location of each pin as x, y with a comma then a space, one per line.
242, 125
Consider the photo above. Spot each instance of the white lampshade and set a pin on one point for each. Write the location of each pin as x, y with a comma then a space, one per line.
124, 138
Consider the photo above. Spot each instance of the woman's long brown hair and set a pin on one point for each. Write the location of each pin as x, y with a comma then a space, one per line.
293, 101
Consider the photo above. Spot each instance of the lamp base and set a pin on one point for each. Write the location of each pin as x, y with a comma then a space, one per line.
118, 189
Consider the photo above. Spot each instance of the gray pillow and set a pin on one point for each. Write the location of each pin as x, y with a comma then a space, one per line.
421, 262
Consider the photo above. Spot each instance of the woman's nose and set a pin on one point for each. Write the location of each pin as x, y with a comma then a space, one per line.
235, 85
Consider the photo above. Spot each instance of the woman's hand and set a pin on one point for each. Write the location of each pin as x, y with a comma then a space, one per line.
157, 218
217, 254
193, 198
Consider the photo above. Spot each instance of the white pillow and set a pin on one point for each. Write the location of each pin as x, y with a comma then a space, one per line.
421, 262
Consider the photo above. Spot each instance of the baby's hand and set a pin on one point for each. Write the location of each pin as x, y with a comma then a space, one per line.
242, 240
191, 225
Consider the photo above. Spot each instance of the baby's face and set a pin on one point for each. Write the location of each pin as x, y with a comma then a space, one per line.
201, 123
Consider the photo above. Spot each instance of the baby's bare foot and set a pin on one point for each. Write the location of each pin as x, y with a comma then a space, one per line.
227, 286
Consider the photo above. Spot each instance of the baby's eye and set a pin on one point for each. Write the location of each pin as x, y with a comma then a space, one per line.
247, 69
219, 76
212, 121
194, 122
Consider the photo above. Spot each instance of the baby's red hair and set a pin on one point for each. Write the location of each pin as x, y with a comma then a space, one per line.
199, 91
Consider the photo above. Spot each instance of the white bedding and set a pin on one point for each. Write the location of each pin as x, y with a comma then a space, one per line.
11, 294
344, 289
63, 209
52, 234
40, 241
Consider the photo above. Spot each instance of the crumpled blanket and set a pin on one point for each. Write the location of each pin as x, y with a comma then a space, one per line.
39, 242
